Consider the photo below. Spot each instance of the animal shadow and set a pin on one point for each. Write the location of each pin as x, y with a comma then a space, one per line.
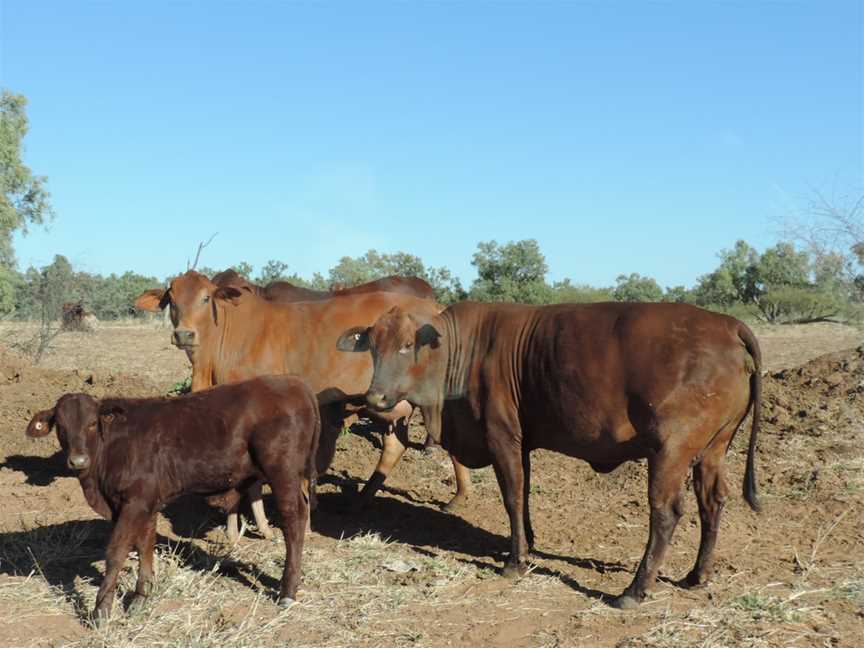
40, 471
422, 527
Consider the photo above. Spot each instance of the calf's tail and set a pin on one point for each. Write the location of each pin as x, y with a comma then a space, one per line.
752, 346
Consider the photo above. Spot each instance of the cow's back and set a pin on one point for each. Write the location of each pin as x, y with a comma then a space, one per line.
300, 338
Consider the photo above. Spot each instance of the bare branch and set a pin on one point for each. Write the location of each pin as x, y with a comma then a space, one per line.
201, 246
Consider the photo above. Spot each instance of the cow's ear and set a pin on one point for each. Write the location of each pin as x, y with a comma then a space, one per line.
152, 300
354, 339
427, 334
41, 423
228, 293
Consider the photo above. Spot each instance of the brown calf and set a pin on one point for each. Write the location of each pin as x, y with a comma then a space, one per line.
133, 456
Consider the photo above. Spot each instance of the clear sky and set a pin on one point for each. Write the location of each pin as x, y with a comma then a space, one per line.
623, 136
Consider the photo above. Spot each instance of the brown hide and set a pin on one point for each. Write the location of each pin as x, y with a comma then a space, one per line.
606, 383
283, 291
133, 456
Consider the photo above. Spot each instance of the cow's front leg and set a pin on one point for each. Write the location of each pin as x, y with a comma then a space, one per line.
131, 524
507, 461
394, 442
463, 486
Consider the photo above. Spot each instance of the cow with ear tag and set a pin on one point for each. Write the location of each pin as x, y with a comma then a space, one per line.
606, 383
134, 456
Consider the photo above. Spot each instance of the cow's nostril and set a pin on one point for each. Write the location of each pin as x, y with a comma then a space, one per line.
78, 462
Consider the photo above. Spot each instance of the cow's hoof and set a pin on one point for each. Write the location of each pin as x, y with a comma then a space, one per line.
514, 570
137, 603
100, 617
458, 502
693, 580
286, 602
624, 602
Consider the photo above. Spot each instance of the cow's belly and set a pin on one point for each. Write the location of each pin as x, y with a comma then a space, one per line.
604, 443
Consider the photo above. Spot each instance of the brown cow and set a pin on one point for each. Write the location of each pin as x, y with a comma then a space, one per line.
231, 334
606, 383
283, 291
133, 456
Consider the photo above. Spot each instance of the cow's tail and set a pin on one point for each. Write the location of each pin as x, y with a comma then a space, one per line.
752, 346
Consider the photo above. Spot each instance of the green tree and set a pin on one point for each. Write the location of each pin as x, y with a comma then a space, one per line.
677, 295
636, 288
273, 270
734, 281
564, 292
24, 200
351, 271
513, 272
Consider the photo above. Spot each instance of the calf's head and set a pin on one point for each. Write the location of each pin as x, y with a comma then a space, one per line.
405, 365
194, 303
79, 424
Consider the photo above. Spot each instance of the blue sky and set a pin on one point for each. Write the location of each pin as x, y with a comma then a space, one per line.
623, 136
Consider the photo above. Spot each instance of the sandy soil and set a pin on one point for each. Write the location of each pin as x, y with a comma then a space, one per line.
406, 573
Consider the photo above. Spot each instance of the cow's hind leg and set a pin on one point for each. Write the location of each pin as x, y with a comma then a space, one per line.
709, 484
666, 472
526, 490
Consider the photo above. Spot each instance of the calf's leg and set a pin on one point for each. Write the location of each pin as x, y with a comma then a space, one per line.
145, 544
131, 525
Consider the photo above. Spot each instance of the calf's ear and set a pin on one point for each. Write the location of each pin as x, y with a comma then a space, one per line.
354, 339
427, 334
41, 423
152, 300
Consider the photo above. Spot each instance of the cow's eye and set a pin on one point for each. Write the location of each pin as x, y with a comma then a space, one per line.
206, 299
405, 350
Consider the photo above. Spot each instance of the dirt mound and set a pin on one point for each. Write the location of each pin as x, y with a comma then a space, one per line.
26, 389
816, 397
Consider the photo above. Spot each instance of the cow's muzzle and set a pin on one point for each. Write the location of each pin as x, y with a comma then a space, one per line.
183, 339
78, 461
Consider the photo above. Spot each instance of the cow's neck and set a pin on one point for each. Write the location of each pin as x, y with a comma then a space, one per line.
91, 480
448, 371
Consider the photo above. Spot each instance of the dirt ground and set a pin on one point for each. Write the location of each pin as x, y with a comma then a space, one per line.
406, 573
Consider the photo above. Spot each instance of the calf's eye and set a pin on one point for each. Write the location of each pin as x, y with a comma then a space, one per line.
405, 350
206, 299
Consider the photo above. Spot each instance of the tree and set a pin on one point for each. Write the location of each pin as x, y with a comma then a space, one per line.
273, 270
831, 225
636, 288
564, 292
24, 199
44, 292
734, 281
351, 271
514, 272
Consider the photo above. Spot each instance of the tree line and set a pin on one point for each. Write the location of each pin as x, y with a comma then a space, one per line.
781, 284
